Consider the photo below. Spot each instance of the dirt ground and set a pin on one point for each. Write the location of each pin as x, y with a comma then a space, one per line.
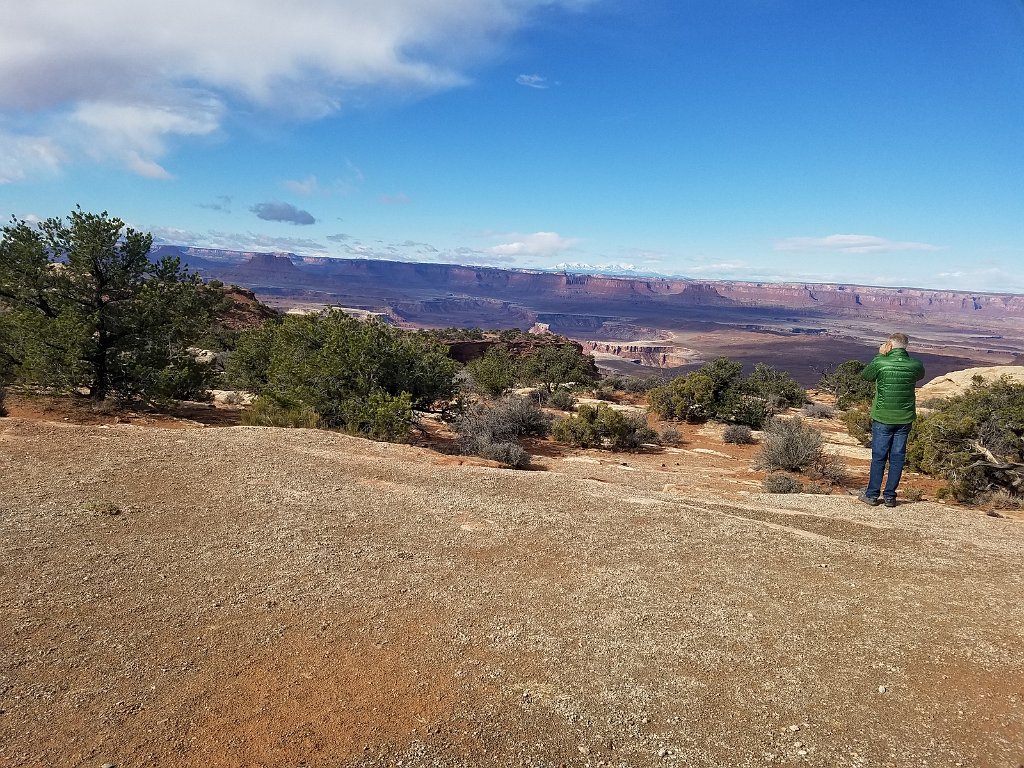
242, 596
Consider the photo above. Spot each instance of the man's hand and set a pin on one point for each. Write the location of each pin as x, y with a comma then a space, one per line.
886, 348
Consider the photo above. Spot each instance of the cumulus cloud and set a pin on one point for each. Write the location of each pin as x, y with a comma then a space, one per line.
850, 244
537, 244
286, 212
87, 91
532, 81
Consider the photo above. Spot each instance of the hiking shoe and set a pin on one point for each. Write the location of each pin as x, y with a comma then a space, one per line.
868, 500
889, 502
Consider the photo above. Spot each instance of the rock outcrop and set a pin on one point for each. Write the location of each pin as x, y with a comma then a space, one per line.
955, 382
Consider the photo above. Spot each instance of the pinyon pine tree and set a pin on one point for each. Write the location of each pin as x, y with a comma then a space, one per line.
82, 307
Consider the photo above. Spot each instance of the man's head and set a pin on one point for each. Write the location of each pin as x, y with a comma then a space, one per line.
898, 340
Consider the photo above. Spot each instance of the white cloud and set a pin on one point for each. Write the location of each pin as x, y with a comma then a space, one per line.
235, 241
174, 69
135, 135
307, 186
537, 244
532, 81
850, 244
22, 157
400, 199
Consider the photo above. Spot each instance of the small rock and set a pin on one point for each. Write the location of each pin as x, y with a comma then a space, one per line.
584, 750
882, 689
794, 728
109, 765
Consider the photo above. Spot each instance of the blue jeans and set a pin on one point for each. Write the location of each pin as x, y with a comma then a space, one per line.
888, 443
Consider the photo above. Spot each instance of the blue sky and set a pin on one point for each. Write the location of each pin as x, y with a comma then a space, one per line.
868, 142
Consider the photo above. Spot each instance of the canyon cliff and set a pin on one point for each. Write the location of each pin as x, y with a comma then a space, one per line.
414, 291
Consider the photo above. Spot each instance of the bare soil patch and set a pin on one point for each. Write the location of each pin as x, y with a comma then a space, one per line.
261, 597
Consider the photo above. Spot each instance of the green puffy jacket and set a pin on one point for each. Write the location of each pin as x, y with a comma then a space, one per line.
894, 375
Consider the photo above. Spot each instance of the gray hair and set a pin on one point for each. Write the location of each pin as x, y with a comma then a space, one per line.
898, 340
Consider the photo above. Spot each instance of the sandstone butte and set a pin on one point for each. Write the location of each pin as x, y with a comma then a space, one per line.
241, 596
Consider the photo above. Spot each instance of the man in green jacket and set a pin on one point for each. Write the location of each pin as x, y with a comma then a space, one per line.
892, 415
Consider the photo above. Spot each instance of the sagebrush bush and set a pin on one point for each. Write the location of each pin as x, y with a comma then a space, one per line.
912, 494
829, 468
492, 431
670, 436
510, 454
265, 412
818, 411
1002, 499
788, 444
562, 399
3, 400
779, 482
738, 434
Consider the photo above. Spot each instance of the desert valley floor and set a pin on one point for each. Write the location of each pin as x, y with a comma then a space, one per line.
244, 596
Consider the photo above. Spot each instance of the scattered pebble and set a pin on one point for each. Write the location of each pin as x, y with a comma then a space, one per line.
882, 689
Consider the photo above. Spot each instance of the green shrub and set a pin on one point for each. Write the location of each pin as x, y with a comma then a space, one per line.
847, 386
635, 385
777, 387
717, 390
738, 434
912, 494
974, 441
363, 377
554, 365
495, 373
3, 401
604, 427
265, 412
788, 444
858, 425
382, 416
779, 482
699, 395
562, 399
577, 431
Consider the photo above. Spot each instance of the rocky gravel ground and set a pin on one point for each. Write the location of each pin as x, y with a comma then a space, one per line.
257, 597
